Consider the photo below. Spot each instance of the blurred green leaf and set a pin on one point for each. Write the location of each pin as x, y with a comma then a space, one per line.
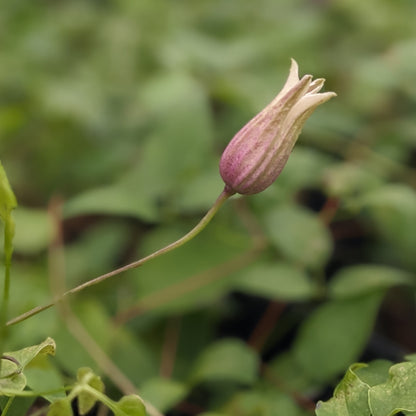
212, 414
130, 406
130, 352
43, 376
87, 400
96, 251
33, 230
262, 403
393, 209
177, 147
70, 354
163, 393
190, 276
334, 335
346, 180
411, 357
112, 200
19, 407
367, 278
228, 359
299, 235
286, 369
61, 407
276, 281
304, 169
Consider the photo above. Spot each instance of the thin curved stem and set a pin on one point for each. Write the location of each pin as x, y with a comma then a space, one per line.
4, 305
187, 237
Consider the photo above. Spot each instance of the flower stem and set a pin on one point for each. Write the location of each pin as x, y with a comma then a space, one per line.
4, 308
187, 237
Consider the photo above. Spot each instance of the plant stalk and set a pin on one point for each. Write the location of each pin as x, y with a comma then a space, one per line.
176, 244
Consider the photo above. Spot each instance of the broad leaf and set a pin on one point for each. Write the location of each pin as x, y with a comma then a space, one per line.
350, 397
11, 376
262, 403
362, 279
130, 406
229, 360
276, 281
61, 407
393, 209
299, 235
397, 394
334, 335
163, 393
43, 376
33, 230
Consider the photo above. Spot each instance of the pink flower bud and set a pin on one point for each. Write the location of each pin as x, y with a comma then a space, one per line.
259, 151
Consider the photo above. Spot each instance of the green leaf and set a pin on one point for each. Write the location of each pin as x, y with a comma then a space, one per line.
411, 357
376, 372
276, 281
11, 376
61, 407
130, 352
334, 335
299, 235
26, 355
262, 403
163, 393
179, 143
118, 199
130, 405
397, 394
87, 400
346, 179
229, 360
304, 169
367, 278
42, 376
19, 407
285, 369
212, 414
350, 397
393, 209
71, 354
33, 230
186, 278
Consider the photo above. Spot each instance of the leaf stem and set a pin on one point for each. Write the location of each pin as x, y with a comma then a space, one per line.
187, 237
7, 407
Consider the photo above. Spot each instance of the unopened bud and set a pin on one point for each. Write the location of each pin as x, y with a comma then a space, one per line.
259, 151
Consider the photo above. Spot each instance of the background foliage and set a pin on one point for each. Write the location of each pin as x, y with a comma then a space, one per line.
121, 110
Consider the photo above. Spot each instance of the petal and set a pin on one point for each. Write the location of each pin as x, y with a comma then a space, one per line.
316, 85
292, 79
307, 103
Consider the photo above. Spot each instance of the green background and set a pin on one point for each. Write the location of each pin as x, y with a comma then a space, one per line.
121, 109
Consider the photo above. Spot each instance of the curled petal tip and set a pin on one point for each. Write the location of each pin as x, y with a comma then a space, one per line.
259, 151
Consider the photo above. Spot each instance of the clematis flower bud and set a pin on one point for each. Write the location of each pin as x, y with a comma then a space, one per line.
259, 151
